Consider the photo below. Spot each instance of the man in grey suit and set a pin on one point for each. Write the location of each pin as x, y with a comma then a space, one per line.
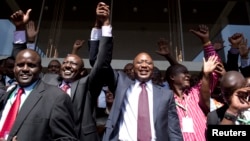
85, 90
122, 123
45, 112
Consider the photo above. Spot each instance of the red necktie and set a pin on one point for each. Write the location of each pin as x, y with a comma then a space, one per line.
143, 125
65, 87
11, 117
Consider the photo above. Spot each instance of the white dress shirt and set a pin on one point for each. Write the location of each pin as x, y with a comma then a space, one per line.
128, 124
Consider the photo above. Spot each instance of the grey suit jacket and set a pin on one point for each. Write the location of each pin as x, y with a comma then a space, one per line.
166, 121
84, 91
46, 114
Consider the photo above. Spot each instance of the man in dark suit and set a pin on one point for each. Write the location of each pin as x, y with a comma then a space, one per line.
45, 112
85, 90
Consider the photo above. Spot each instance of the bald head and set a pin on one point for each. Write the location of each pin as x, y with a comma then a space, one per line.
231, 81
29, 53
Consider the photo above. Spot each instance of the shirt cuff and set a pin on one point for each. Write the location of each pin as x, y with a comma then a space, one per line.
107, 31
31, 46
19, 37
244, 63
95, 34
234, 50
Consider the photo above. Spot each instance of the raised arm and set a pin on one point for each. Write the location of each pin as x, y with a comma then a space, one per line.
98, 73
164, 50
19, 19
31, 32
77, 45
208, 67
203, 34
233, 53
96, 33
244, 51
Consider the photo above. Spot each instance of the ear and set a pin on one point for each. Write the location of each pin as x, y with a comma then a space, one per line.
83, 71
172, 77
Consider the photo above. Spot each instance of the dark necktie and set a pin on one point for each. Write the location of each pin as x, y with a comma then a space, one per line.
65, 87
11, 117
143, 121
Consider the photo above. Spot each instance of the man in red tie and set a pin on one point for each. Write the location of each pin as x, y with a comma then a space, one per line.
34, 110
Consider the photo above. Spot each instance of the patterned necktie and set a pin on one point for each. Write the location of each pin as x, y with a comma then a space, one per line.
65, 87
143, 125
11, 117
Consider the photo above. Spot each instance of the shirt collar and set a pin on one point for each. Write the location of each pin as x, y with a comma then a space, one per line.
29, 88
149, 84
63, 83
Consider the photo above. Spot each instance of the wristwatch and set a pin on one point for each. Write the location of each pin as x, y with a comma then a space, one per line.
229, 116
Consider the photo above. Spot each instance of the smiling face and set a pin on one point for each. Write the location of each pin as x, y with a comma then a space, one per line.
72, 68
27, 67
143, 67
178, 76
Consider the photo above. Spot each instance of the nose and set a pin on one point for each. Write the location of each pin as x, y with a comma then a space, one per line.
67, 65
25, 68
188, 75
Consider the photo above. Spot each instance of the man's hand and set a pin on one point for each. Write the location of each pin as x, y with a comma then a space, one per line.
202, 32
220, 69
163, 47
243, 49
240, 100
103, 13
77, 45
209, 65
218, 44
235, 39
20, 19
31, 31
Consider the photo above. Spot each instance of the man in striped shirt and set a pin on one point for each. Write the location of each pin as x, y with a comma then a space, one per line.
193, 103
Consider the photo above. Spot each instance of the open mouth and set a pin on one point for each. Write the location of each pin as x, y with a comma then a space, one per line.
144, 72
24, 76
67, 72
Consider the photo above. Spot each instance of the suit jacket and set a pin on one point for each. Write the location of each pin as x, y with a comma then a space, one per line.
166, 121
216, 116
46, 114
84, 91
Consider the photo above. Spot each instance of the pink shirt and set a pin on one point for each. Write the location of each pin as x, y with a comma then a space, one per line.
190, 105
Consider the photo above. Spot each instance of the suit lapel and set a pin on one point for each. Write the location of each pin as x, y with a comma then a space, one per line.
5, 97
73, 88
157, 95
27, 106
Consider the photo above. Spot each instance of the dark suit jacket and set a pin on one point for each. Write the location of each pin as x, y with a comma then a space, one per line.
84, 91
166, 121
216, 116
46, 114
